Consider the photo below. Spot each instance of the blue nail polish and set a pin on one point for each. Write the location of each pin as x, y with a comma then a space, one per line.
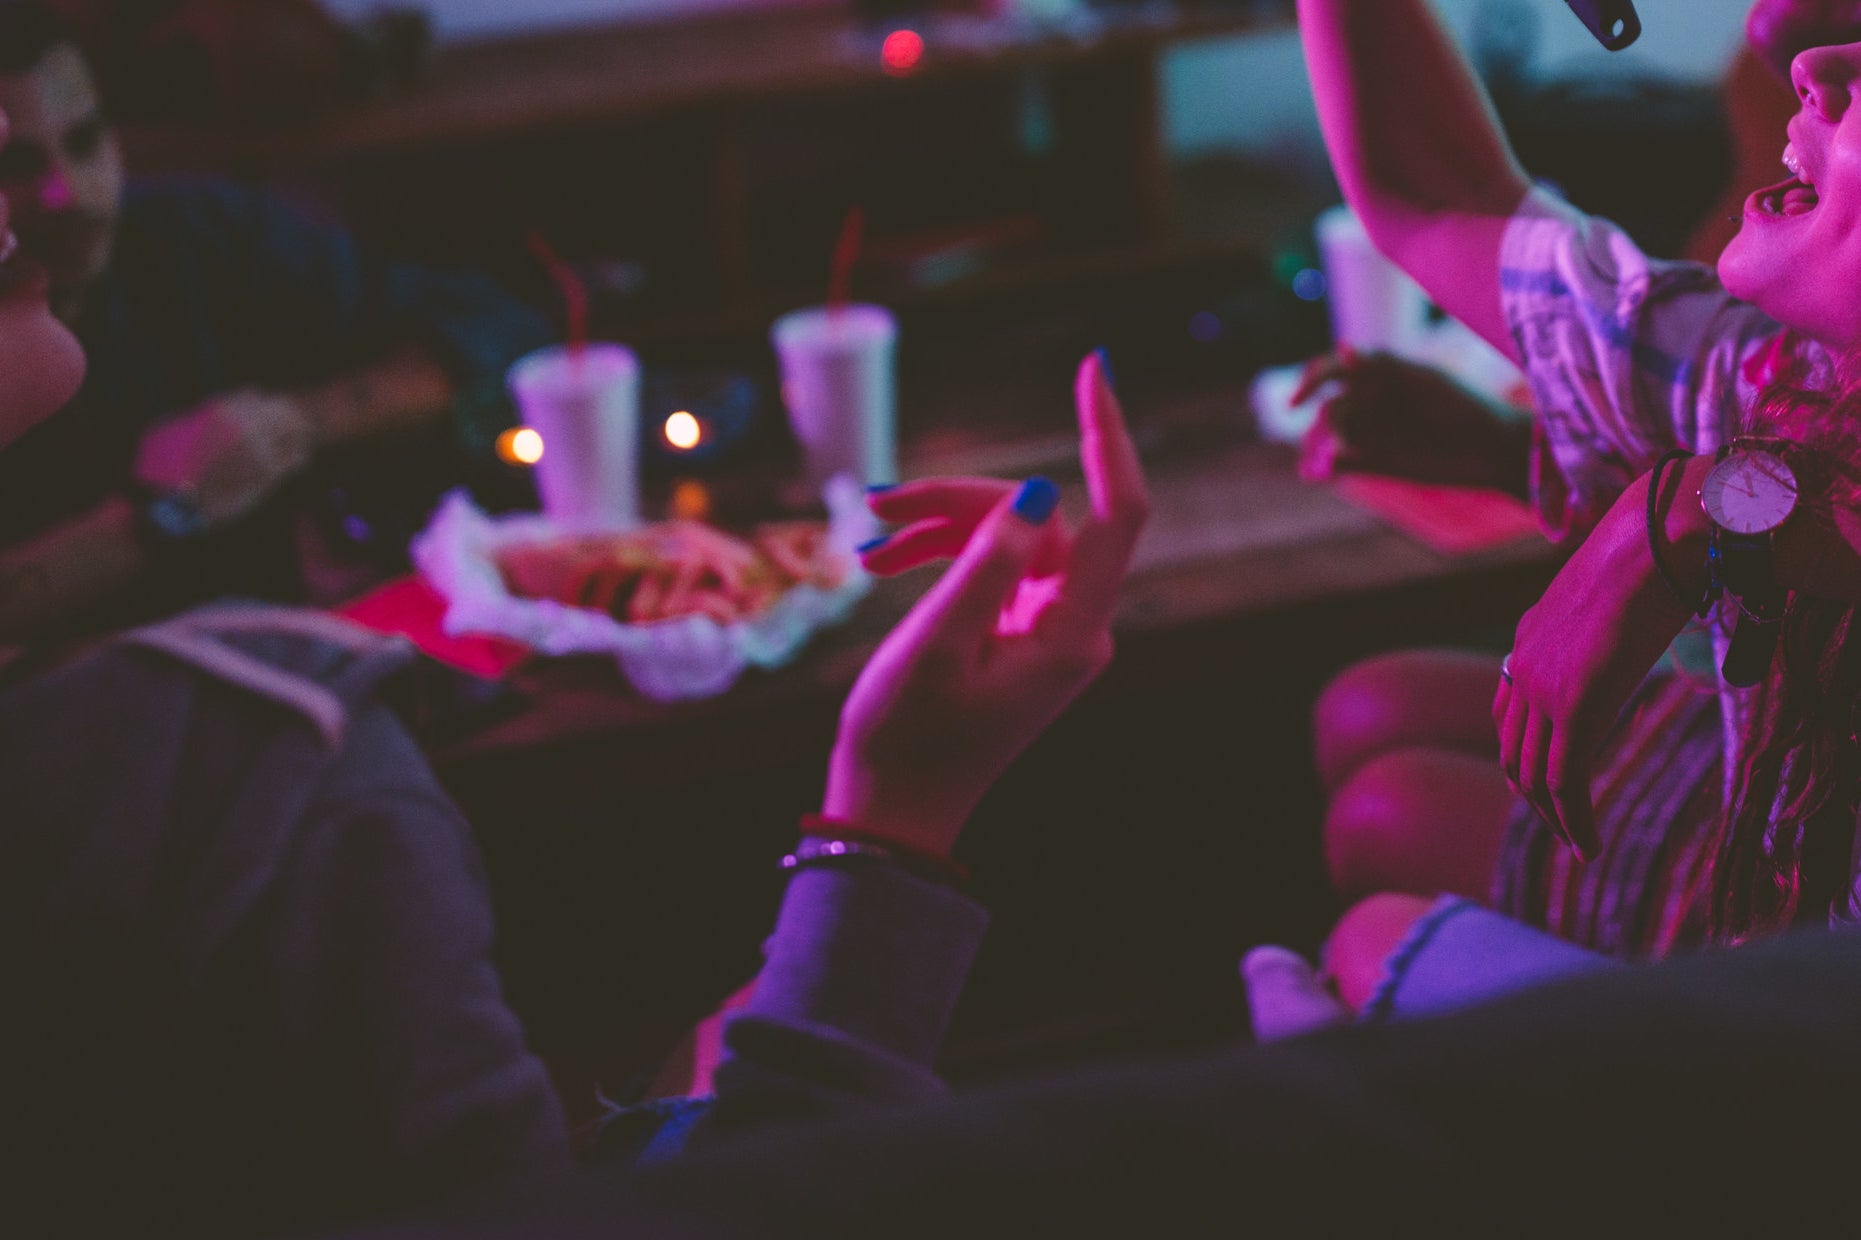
1036, 500
880, 488
873, 544
1111, 376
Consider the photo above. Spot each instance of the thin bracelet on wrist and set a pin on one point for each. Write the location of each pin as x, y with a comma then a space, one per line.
813, 851
826, 840
1704, 604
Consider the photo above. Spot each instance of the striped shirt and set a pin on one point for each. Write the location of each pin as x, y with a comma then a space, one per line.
1627, 357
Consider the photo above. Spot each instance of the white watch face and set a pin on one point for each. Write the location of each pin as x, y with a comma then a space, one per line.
1749, 492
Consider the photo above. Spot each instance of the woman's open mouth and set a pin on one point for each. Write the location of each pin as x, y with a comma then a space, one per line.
1787, 199
1784, 200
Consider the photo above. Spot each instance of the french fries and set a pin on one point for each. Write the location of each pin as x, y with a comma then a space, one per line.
676, 569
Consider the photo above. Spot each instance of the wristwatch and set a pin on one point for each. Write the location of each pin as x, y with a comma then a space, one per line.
1749, 494
166, 516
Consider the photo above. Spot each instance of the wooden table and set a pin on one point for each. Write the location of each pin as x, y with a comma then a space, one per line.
1235, 540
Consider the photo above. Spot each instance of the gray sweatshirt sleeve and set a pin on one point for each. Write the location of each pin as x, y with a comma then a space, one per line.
407, 1073
862, 974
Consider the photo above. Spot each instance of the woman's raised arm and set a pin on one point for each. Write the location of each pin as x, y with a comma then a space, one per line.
1417, 149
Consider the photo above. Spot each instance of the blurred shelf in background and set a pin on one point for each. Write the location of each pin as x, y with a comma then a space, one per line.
507, 87
697, 172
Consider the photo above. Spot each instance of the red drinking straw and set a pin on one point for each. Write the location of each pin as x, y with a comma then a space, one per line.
846, 255
574, 292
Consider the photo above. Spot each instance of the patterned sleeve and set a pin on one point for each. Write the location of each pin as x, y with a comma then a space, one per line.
1626, 356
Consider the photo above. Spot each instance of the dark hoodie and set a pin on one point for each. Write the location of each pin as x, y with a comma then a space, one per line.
245, 951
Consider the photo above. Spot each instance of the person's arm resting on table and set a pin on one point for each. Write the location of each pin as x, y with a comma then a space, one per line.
327, 303
213, 465
225, 457
406, 391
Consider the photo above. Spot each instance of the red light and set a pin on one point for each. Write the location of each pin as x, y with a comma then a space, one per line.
902, 51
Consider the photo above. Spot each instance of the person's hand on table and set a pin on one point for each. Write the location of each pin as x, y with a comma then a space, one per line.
228, 454
1397, 417
1016, 628
1779, 29
1603, 624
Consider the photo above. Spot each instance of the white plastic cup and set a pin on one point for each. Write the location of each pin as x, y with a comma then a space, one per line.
1374, 305
839, 382
586, 406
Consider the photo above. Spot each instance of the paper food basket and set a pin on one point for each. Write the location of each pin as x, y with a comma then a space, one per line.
672, 660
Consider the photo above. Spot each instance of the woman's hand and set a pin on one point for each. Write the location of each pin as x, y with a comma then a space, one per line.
1397, 417
230, 453
1019, 625
1603, 623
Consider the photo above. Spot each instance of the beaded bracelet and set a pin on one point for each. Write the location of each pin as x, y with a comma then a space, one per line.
1711, 595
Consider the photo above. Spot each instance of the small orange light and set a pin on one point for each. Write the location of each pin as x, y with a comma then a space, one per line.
520, 446
691, 500
901, 52
683, 431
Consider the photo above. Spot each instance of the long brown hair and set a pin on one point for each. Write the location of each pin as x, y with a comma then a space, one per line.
1784, 850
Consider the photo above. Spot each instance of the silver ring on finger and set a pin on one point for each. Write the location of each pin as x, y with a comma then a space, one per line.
1505, 668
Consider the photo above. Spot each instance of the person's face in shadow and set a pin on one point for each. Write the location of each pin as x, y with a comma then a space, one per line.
41, 363
62, 171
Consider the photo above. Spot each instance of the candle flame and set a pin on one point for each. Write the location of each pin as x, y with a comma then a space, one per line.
683, 431
520, 446
691, 500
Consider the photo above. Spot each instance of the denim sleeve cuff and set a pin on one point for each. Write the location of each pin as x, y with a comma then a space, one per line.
1459, 955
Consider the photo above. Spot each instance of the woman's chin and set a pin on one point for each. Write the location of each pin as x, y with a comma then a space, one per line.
1744, 277
1734, 270
41, 370
67, 378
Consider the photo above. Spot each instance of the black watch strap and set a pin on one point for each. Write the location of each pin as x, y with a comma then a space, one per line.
166, 518
1748, 656
1740, 565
